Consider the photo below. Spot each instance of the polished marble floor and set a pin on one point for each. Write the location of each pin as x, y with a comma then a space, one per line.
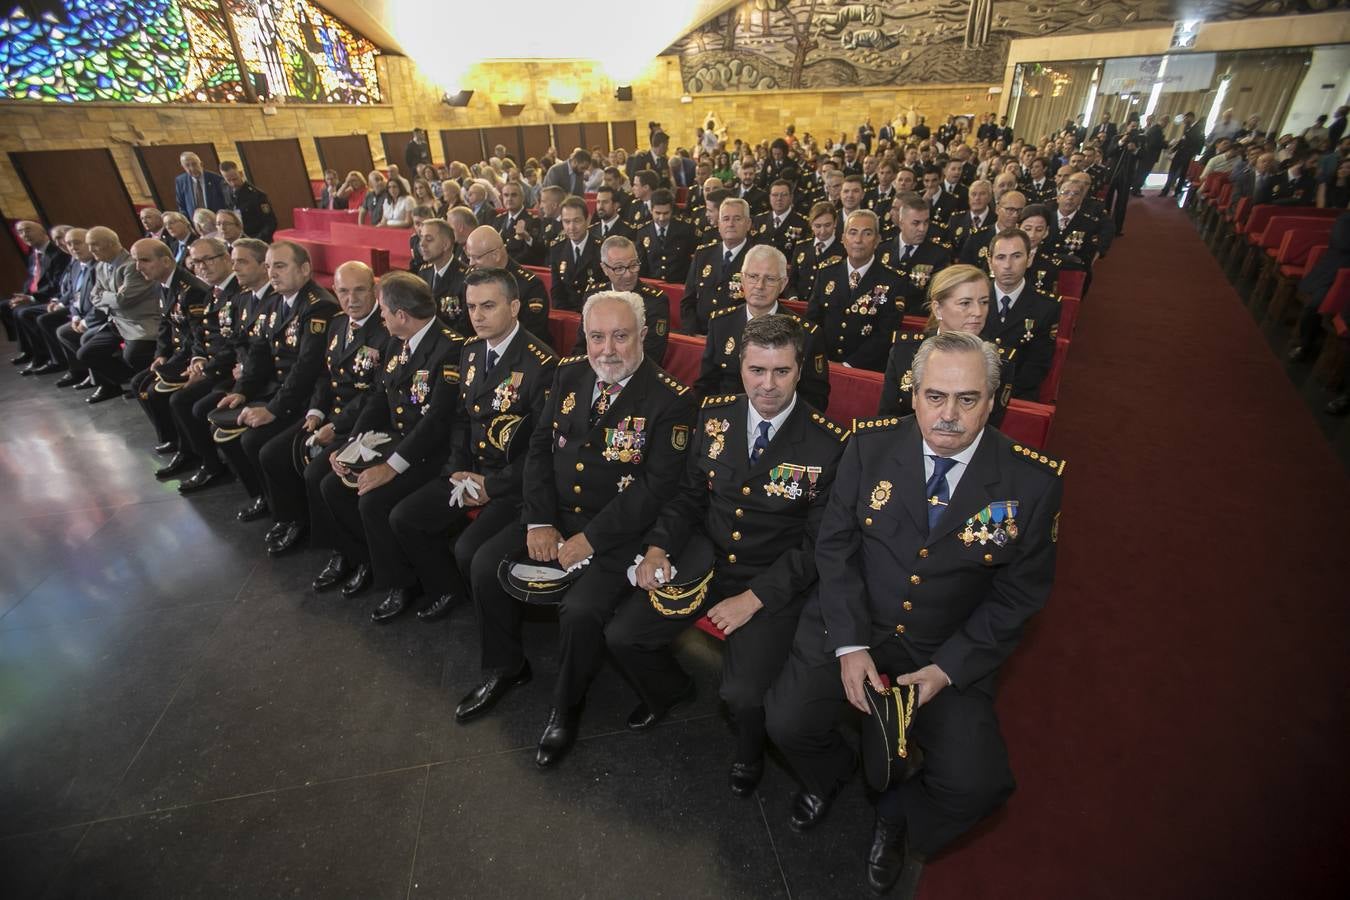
181, 717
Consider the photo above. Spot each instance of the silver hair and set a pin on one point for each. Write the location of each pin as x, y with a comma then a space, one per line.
634, 302
959, 342
615, 242
737, 201
864, 214
770, 251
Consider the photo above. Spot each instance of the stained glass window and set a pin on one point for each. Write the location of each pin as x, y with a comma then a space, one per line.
175, 51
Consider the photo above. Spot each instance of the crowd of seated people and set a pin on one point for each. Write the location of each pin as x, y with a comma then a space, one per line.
422, 428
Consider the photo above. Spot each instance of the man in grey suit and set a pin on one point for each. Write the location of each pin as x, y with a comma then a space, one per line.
86, 320
570, 174
130, 298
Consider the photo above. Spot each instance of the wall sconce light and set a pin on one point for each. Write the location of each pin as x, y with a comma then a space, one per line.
624, 92
563, 109
460, 98
510, 109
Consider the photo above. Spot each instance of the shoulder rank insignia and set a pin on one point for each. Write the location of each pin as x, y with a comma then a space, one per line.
1056, 466
673, 384
715, 400
540, 354
568, 360
828, 425
875, 424
723, 311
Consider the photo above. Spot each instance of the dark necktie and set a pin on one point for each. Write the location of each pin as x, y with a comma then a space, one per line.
820, 248
492, 360
201, 193
608, 391
909, 253
351, 335
936, 490
661, 236
576, 254
761, 443
1003, 304
726, 264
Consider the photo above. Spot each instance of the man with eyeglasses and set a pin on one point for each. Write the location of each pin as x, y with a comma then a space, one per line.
619, 262
485, 249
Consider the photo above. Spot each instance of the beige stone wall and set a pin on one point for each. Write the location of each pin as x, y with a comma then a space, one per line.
413, 101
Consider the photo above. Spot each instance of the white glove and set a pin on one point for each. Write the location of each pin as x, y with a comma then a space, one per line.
363, 448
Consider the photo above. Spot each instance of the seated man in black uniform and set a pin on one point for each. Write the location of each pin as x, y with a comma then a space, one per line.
859, 301
281, 367
607, 458
504, 379
442, 271
522, 232
666, 244
916, 252
763, 278
484, 250
715, 276
780, 226
1019, 317
234, 322
355, 358
755, 485
414, 401
575, 258
823, 246
937, 546
619, 262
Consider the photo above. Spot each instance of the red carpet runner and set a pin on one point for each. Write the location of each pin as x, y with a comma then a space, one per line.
1179, 719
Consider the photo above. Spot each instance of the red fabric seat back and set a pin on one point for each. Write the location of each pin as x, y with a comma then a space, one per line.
1028, 423
1050, 386
684, 358
1338, 296
1070, 284
854, 394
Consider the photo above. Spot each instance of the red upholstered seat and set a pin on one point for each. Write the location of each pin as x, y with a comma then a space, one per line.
545, 275
1050, 387
854, 394
563, 326
1068, 316
1070, 284
1028, 423
395, 240
1338, 296
325, 257
684, 356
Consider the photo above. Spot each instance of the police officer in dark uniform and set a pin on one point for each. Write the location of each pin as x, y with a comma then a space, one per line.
703, 217
937, 546
746, 190
609, 218
504, 379
550, 205
619, 261
182, 305
414, 402
958, 300
231, 324
971, 229
763, 277
714, 278
281, 367
1074, 232
646, 184
521, 231
1019, 317
915, 253
665, 244
755, 486
485, 250
1044, 268
255, 212
574, 259
780, 226
355, 358
823, 247
858, 302
608, 458
443, 272
879, 199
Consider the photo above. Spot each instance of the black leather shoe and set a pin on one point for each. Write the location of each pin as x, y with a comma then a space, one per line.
745, 777
274, 533
559, 735
177, 465
68, 379
31, 369
21, 359
332, 575
643, 716
166, 448
393, 605
439, 608
202, 479
87, 384
357, 582
886, 858
103, 393
807, 810
49, 368
493, 688
253, 511
293, 536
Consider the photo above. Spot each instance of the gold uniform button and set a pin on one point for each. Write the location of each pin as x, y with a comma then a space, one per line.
867, 521
989, 557
475, 408
914, 579
907, 605
923, 553
576, 509
482, 446
899, 629
731, 558
581, 467
398, 409
735, 535
576, 489
746, 490
740, 513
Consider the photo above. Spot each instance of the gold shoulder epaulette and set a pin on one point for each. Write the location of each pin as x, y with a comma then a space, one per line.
557, 239
889, 268
524, 274
673, 384
807, 325
828, 425
1007, 353
453, 335
568, 360
707, 243
826, 263
916, 336
860, 425
1055, 465
724, 311
540, 353
650, 290
718, 400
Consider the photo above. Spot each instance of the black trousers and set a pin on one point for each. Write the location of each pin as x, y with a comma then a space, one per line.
291, 495
31, 339
1176, 172
70, 345
965, 773
587, 607
499, 614
7, 320
155, 405
360, 524
49, 323
425, 525
640, 640
242, 453
111, 364
189, 407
